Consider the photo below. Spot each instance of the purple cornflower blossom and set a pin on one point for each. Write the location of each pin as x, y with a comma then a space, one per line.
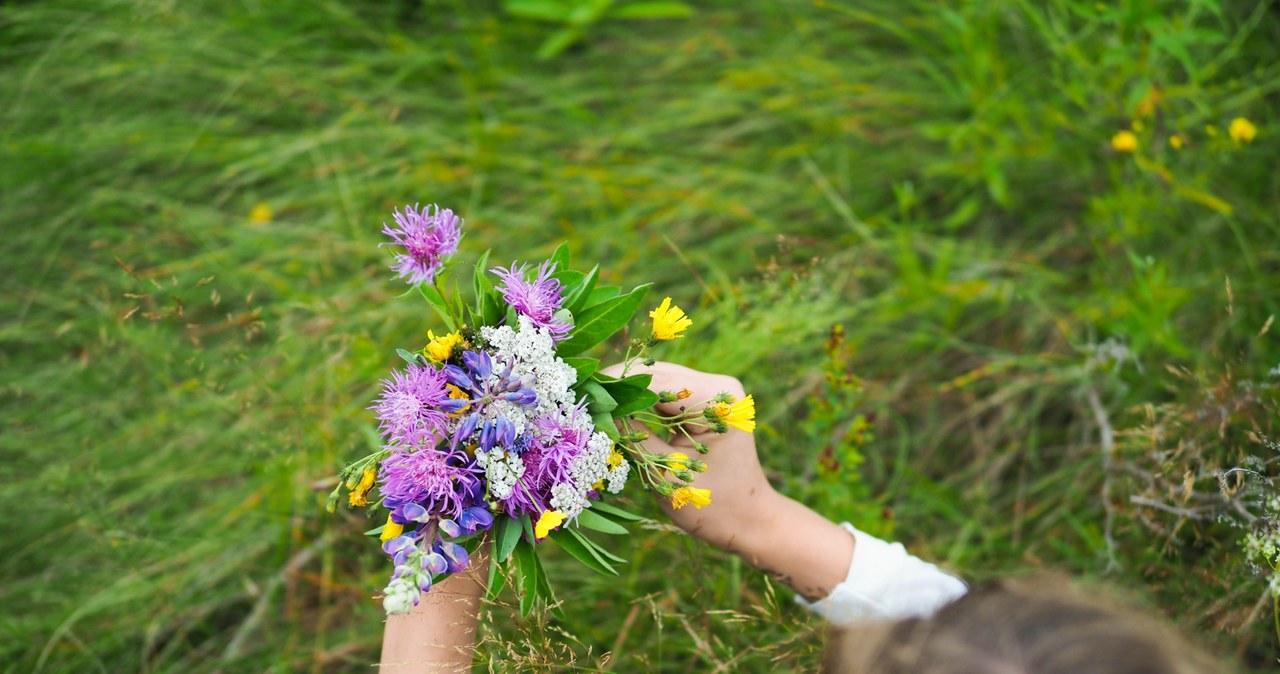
539, 300
427, 237
532, 491
415, 402
429, 482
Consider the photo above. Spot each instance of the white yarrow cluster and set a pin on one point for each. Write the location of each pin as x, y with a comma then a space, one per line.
534, 353
502, 468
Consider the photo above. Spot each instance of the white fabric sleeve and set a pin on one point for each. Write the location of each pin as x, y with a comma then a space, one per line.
885, 582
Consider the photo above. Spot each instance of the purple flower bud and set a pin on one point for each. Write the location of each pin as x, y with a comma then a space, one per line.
451, 528
476, 519
410, 512
458, 376
424, 581
397, 544
506, 432
525, 396
401, 572
453, 405
487, 433
465, 428
478, 363
434, 563
455, 555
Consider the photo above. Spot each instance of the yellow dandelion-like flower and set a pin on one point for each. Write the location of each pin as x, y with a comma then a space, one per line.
700, 498
548, 521
260, 214
1124, 141
391, 530
740, 414
1176, 141
439, 349
615, 458
677, 461
1242, 130
668, 321
357, 497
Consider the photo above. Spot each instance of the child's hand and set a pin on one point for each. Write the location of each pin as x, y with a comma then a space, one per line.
737, 483
746, 516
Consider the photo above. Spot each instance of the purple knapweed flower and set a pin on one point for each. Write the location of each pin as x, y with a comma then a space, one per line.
560, 442
415, 403
427, 236
539, 300
429, 482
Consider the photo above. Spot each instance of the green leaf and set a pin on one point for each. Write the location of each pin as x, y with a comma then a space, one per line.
497, 580
376, 531
437, 302
599, 400
527, 525
598, 295
632, 394
410, 358
599, 322
568, 278
653, 10
560, 257
526, 561
585, 367
604, 423
614, 511
575, 296
600, 523
541, 10
508, 535
577, 545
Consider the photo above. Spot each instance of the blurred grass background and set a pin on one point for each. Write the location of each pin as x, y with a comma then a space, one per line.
1056, 346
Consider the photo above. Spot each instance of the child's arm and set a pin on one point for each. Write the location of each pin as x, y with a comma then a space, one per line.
439, 634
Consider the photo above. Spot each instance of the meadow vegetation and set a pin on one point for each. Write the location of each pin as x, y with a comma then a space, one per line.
1000, 276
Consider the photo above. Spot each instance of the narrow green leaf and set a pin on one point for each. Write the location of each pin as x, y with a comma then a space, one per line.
585, 366
508, 535
604, 422
408, 357
376, 531
575, 297
437, 302
598, 323
541, 10
526, 562
652, 10
600, 294
598, 399
560, 257
614, 511
497, 580
600, 523
574, 544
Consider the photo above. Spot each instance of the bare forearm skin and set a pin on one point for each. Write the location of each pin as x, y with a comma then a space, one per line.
439, 634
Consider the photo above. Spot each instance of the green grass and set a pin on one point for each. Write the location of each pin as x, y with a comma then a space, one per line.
179, 381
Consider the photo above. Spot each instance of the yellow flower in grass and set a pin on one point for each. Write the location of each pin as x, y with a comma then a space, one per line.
668, 321
740, 414
700, 498
1124, 141
439, 349
548, 521
357, 497
1242, 130
391, 530
1177, 141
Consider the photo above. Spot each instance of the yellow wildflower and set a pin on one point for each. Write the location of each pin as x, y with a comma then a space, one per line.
615, 458
357, 496
1242, 130
1124, 141
391, 530
548, 521
740, 414
439, 349
668, 321
677, 461
700, 498
260, 214
1176, 141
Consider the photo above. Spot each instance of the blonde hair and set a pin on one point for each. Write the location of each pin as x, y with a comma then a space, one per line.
1018, 627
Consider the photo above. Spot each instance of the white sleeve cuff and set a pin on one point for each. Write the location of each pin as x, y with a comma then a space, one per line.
885, 582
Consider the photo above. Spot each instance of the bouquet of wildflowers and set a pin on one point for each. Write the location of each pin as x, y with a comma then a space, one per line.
499, 430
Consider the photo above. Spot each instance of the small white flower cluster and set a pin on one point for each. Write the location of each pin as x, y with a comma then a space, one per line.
401, 595
503, 469
1262, 546
534, 352
589, 469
